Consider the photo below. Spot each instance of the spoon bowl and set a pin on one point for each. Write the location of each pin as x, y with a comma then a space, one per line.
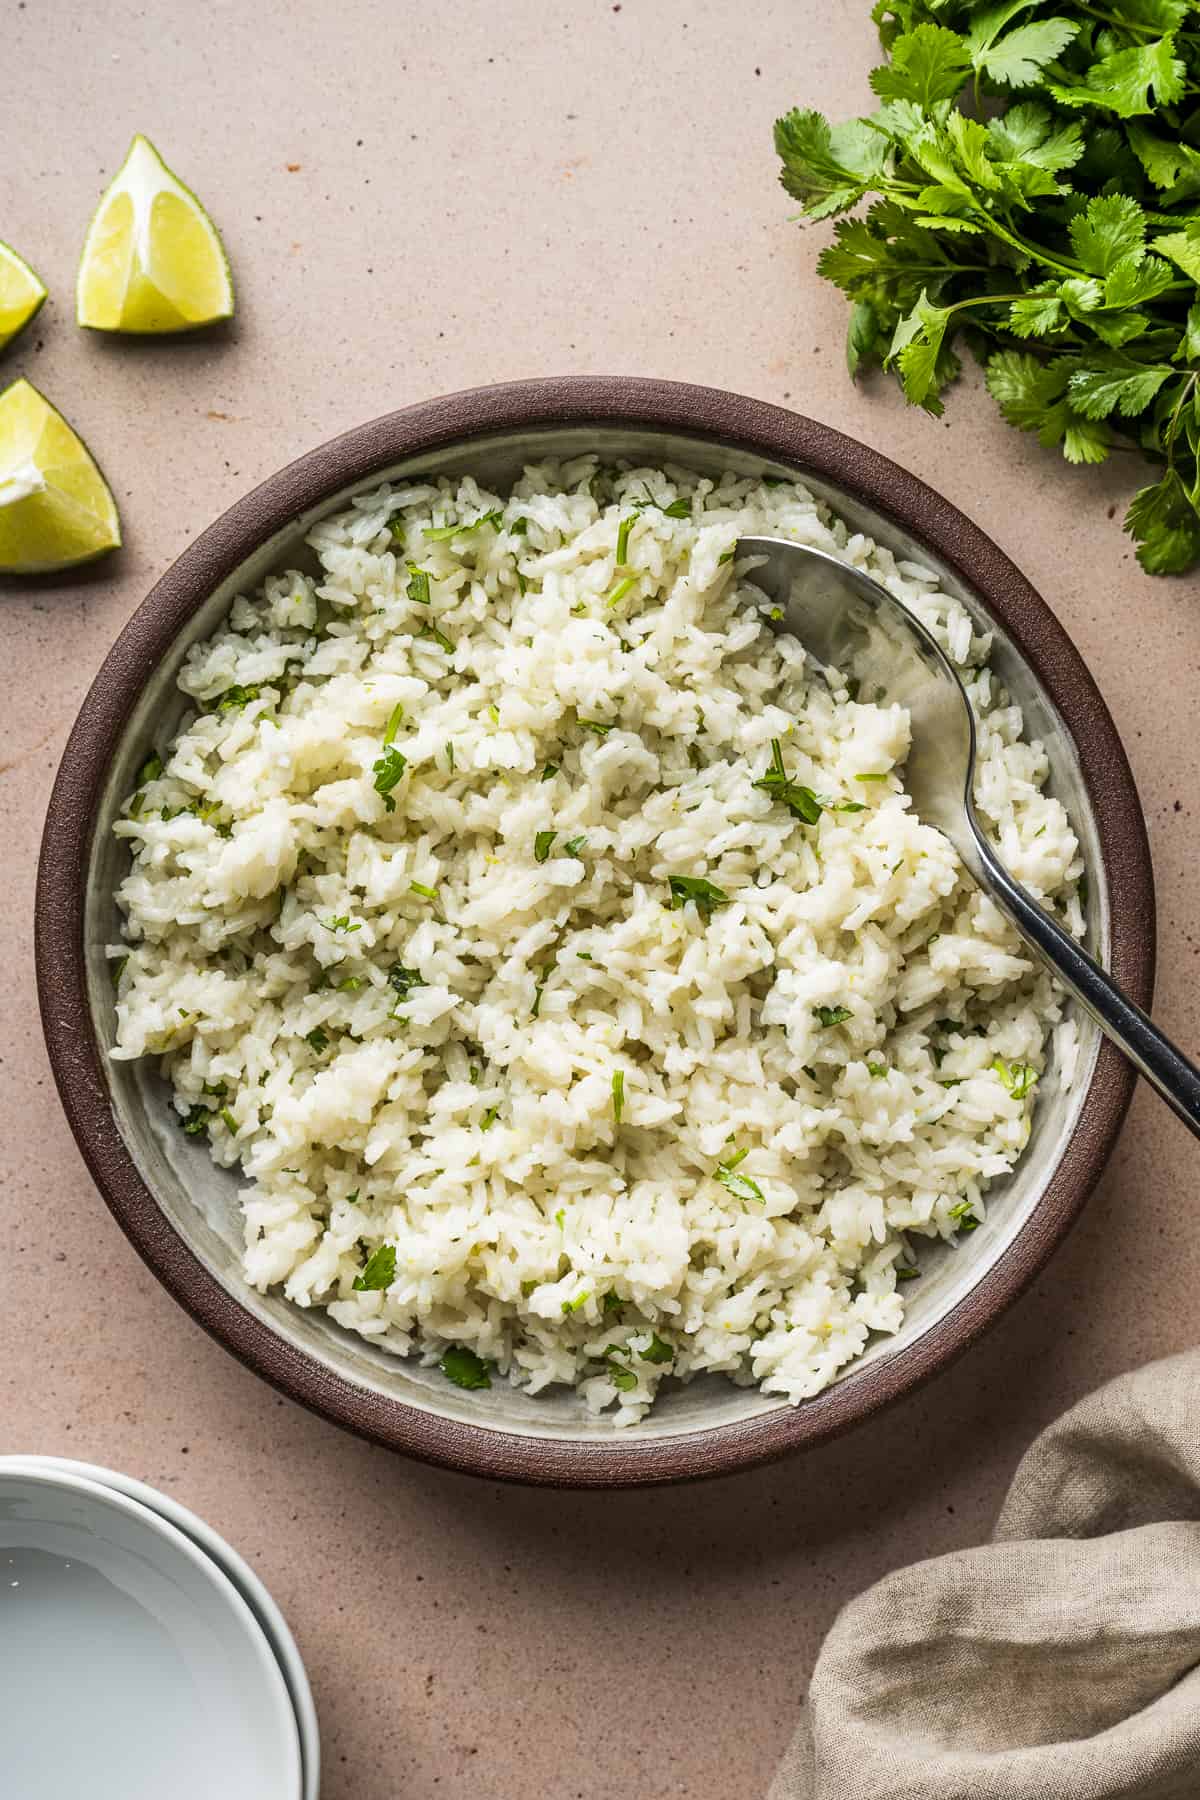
849, 623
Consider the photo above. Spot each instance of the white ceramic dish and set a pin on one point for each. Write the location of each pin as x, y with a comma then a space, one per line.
130, 1666
240, 1574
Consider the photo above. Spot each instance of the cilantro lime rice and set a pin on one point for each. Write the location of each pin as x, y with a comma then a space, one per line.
555, 952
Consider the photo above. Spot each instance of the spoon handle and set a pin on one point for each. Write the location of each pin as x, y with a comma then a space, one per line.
1164, 1066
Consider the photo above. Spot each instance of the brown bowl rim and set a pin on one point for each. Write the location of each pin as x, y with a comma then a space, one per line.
704, 413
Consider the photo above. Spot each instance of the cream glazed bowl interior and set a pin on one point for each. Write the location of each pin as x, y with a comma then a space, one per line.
181, 1211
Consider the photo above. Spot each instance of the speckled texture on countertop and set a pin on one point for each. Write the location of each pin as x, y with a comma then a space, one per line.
425, 199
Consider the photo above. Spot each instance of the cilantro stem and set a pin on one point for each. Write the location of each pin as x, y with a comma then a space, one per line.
1173, 425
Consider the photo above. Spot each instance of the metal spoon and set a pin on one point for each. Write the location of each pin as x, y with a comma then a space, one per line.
846, 620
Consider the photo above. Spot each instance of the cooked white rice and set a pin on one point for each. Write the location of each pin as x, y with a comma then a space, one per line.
413, 1025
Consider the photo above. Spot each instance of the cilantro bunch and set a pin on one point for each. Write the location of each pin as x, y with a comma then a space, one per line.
1033, 172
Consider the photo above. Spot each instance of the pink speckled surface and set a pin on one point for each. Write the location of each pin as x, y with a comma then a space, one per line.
481, 193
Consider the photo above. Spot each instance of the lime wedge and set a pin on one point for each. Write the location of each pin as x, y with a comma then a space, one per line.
21, 294
153, 260
55, 507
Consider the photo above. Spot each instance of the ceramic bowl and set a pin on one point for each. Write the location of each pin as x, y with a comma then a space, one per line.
267, 1614
129, 1663
181, 1211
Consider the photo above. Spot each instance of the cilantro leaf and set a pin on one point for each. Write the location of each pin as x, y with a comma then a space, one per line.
704, 895
1183, 248
656, 1351
832, 1015
464, 1368
543, 842
1019, 57
1109, 383
379, 1271
927, 65
1113, 227
1123, 81
800, 801
738, 1184
387, 771
1164, 522
830, 167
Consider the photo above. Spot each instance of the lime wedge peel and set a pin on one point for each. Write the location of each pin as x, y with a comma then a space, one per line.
153, 260
21, 294
56, 510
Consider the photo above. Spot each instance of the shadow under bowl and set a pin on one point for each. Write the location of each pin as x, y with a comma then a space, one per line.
181, 1212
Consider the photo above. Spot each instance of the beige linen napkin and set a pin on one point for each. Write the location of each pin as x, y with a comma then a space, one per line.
1059, 1662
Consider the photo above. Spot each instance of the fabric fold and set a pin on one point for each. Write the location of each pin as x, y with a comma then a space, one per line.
1059, 1662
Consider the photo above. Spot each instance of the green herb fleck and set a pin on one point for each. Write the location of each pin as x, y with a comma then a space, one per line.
464, 1368
235, 697
622, 1379
831, 1015
340, 922
1018, 1078
876, 775
229, 1122
543, 843
678, 509
438, 637
570, 1306
379, 1271
418, 585
656, 1351
489, 1118
800, 801
549, 772
903, 1274
594, 725
574, 845
150, 771
619, 593
740, 1185
402, 981
195, 1121
623, 530
419, 887
618, 1095
964, 1216
318, 1040
705, 895
875, 1070
395, 720
387, 771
